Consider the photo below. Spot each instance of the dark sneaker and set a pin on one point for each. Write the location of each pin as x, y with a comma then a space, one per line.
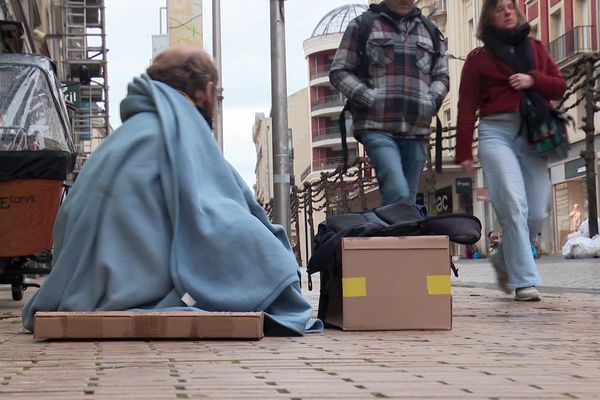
501, 275
527, 294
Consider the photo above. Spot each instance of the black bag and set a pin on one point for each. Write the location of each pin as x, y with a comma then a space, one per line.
398, 219
545, 127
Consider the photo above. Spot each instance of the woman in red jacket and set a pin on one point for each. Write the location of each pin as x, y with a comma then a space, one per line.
498, 79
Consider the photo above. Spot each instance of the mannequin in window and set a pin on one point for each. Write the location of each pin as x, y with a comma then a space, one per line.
575, 216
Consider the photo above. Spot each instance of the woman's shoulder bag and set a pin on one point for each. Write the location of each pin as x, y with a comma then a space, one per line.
550, 139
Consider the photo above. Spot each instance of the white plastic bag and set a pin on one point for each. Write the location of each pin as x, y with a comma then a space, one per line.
582, 247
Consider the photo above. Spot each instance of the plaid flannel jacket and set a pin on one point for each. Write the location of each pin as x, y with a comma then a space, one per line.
401, 91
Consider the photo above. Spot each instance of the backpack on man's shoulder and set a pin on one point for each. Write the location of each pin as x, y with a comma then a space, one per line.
365, 26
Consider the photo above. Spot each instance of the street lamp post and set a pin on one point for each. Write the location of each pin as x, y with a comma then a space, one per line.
598, 23
281, 151
216, 28
589, 153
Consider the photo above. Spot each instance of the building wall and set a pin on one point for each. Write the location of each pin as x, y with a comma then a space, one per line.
299, 123
36, 17
262, 138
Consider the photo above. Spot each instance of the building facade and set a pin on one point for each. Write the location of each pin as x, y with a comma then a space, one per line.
298, 124
263, 143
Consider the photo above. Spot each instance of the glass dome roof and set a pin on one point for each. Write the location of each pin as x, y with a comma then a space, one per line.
337, 20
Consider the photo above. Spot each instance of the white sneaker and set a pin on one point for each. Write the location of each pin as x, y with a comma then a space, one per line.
527, 294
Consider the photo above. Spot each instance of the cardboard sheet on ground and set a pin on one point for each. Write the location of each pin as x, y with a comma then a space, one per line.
148, 325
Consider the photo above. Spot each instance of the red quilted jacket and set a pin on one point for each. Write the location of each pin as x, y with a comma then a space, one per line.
484, 87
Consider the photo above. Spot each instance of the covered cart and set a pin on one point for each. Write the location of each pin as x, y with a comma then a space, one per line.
36, 155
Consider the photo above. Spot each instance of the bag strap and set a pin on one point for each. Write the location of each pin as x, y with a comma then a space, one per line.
365, 25
436, 37
438, 145
454, 269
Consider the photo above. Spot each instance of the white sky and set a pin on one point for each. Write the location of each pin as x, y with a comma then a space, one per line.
245, 50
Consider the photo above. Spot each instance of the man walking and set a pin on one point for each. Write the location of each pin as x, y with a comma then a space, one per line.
394, 73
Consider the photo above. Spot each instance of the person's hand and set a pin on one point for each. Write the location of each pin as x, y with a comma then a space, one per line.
521, 81
467, 166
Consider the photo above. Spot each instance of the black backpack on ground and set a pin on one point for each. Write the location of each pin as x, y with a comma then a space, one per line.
365, 25
398, 219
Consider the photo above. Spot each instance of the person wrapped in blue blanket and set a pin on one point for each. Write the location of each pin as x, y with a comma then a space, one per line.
158, 220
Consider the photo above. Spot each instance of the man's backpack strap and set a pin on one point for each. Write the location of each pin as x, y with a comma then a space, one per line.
438, 145
436, 38
365, 25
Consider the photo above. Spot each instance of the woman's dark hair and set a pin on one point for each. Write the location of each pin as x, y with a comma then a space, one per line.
488, 7
188, 71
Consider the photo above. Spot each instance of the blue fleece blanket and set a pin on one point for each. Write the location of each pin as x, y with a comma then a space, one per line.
158, 219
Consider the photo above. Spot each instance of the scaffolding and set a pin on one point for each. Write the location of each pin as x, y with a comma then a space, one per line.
85, 67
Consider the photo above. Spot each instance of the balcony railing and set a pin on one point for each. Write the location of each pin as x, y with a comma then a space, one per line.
577, 40
320, 71
336, 100
327, 133
332, 162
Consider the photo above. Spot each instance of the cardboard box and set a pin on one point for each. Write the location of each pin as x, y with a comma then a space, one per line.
146, 325
392, 283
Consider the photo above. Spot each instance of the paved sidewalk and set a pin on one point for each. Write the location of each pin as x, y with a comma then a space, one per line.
497, 349
558, 274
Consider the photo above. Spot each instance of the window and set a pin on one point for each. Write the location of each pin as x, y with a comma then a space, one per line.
535, 31
447, 117
471, 34
556, 26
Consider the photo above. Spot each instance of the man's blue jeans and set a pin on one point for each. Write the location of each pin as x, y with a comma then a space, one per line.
519, 184
398, 165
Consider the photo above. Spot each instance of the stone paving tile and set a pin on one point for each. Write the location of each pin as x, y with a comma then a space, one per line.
497, 349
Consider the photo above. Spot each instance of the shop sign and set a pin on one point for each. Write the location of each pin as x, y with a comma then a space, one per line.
464, 185
575, 168
72, 93
443, 200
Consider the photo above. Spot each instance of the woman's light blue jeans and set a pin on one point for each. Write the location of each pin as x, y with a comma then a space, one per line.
398, 165
518, 180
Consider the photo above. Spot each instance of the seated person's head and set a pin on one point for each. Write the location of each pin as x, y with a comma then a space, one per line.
189, 70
